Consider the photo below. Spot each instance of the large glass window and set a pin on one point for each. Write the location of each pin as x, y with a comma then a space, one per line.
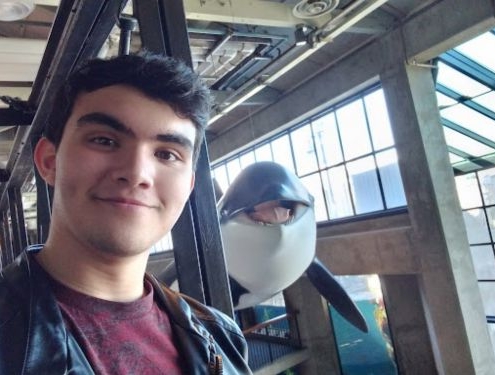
476, 193
345, 157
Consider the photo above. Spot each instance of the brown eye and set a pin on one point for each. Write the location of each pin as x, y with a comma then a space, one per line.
166, 155
104, 141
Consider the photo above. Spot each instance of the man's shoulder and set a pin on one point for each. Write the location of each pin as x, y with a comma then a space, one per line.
211, 315
182, 306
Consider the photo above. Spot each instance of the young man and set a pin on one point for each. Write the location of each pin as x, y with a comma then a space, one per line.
119, 149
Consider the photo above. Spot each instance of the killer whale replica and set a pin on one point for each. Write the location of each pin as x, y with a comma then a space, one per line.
268, 229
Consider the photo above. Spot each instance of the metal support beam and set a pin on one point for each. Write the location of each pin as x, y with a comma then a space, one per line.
197, 241
211, 255
4, 175
19, 234
79, 32
9, 116
3, 246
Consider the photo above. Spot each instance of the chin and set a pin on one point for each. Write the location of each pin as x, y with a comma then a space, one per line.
122, 246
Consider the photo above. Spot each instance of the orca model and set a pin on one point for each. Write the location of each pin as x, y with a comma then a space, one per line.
269, 234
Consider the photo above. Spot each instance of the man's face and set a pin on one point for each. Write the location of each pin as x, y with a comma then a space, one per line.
122, 172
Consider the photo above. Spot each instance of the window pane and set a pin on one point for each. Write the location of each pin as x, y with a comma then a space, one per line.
477, 50
491, 329
484, 261
465, 143
376, 109
353, 130
491, 219
313, 184
263, 153
468, 191
282, 153
391, 179
487, 290
364, 185
327, 141
337, 193
247, 159
220, 175
459, 82
304, 152
233, 169
470, 119
487, 182
476, 226
487, 100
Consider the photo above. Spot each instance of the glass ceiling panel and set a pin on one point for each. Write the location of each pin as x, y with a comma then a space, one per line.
487, 100
478, 50
462, 84
466, 144
470, 119
455, 158
470, 104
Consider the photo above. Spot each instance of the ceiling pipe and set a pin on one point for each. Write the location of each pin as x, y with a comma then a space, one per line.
325, 34
193, 30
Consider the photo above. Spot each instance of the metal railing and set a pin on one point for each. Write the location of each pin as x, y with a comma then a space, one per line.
272, 339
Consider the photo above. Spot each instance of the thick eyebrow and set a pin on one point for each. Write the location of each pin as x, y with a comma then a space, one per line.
104, 119
110, 121
176, 138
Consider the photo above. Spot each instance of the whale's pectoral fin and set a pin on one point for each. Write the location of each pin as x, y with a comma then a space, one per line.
236, 290
325, 282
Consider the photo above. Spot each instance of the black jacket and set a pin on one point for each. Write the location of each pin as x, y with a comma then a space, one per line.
34, 340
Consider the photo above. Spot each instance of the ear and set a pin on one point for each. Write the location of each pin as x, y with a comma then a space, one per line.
44, 157
193, 178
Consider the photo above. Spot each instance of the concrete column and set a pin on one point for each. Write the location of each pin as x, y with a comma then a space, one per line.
407, 324
447, 282
315, 330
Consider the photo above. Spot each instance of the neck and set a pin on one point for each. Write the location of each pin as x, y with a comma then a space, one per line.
92, 272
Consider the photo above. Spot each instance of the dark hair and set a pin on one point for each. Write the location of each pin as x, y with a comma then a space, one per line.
158, 77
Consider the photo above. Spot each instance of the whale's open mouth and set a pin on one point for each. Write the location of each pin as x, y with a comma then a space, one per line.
273, 212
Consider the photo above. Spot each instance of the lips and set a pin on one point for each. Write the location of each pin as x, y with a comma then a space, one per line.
124, 201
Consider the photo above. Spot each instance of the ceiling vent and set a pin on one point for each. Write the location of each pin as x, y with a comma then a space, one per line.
307, 9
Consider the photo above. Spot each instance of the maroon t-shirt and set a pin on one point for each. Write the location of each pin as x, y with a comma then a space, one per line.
120, 338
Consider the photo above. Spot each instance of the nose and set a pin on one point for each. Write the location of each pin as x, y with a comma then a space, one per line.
134, 167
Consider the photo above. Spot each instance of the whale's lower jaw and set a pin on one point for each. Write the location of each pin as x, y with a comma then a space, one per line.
264, 260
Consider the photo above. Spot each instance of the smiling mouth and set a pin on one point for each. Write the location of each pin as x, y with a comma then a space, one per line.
124, 202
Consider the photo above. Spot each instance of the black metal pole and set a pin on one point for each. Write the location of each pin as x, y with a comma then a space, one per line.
197, 240
18, 224
9, 252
